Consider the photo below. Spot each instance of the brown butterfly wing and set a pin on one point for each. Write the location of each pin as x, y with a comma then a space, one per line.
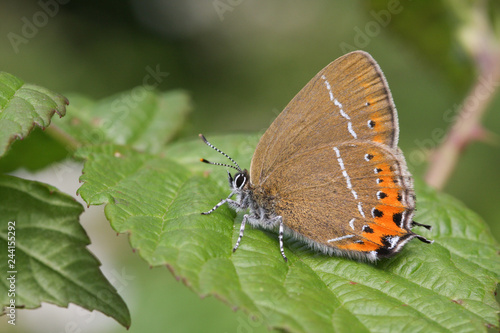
355, 198
347, 100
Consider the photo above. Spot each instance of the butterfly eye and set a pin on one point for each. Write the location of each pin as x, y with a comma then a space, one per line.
240, 180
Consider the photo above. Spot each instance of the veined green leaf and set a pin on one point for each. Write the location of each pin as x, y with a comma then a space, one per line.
44, 247
448, 286
22, 106
141, 117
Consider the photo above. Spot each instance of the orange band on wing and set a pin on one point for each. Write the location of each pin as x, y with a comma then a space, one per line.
363, 247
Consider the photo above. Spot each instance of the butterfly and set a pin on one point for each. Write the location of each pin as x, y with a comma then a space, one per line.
328, 171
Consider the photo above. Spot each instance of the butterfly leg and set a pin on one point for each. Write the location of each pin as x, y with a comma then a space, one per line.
242, 230
223, 201
280, 236
235, 204
270, 223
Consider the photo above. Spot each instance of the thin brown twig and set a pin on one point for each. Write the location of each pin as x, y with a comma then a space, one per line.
485, 50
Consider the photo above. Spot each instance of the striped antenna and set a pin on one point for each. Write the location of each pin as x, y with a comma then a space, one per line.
221, 164
221, 152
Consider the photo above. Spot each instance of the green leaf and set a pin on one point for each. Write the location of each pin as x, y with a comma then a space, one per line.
141, 117
22, 106
52, 263
448, 286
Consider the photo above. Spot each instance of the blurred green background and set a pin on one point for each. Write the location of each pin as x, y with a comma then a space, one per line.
242, 61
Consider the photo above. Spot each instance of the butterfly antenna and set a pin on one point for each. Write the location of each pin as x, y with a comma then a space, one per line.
221, 152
